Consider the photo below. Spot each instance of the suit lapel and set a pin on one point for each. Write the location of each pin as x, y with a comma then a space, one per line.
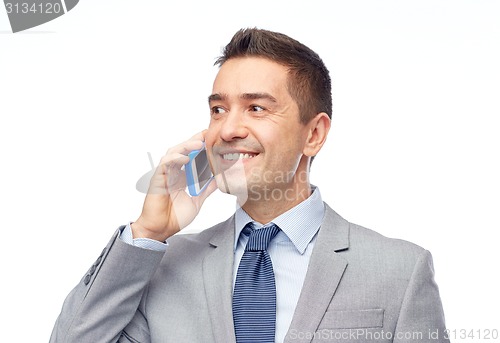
324, 273
218, 281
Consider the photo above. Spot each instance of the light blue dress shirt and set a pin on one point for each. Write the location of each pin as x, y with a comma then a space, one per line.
290, 252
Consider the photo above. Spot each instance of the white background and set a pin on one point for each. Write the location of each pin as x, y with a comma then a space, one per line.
413, 152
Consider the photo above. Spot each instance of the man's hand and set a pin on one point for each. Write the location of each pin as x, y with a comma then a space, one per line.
167, 207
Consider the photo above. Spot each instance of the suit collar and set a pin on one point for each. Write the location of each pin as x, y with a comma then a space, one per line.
217, 279
222, 232
300, 223
324, 273
336, 230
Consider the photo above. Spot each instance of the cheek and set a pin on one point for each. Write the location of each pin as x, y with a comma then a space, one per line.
288, 149
287, 141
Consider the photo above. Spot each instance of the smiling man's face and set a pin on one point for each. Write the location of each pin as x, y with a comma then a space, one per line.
255, 139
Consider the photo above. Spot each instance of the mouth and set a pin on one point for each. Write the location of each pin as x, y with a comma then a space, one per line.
235, 156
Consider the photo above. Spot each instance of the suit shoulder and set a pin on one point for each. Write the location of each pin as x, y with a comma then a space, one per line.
362, 238
359, 232
200, 238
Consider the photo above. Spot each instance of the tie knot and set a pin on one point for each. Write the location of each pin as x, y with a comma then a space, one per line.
259, 238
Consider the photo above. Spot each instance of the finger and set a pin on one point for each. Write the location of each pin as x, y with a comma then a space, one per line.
200, 135
173, 160
167, 181
193, 143
203, 134
168, 172
211, 187
186, 147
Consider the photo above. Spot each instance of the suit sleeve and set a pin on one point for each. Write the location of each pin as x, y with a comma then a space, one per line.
421, 318
107, 298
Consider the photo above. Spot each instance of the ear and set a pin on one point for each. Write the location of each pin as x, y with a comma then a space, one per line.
318, 128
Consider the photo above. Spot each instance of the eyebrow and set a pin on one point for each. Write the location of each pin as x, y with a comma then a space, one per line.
217, 97
245, 96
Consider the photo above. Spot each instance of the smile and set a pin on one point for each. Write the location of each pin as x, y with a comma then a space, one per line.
237, 156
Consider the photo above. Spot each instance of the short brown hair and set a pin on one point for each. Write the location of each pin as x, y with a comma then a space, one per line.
309, 81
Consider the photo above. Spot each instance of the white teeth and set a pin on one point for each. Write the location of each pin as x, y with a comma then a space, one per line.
236, 156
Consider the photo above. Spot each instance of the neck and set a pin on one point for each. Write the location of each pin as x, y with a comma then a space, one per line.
270, 202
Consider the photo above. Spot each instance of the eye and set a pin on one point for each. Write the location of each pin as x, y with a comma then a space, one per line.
257, 108
217, 110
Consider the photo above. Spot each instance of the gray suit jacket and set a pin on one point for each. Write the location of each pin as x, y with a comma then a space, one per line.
359, 287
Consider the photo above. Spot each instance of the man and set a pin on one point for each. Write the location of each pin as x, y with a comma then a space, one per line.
285, 267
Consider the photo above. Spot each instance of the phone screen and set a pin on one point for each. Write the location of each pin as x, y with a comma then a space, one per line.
202, 168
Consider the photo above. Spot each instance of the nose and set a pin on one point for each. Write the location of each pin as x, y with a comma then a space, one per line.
233, 126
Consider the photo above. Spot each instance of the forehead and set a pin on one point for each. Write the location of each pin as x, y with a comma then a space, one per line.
251, 75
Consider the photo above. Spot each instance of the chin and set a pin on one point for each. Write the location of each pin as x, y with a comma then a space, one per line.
234, 186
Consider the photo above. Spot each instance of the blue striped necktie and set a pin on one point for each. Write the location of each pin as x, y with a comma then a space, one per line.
254, 296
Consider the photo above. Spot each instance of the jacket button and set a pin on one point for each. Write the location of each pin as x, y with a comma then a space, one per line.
87, 279
96, 263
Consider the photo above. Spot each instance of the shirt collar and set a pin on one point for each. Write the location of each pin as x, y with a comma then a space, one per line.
300, 223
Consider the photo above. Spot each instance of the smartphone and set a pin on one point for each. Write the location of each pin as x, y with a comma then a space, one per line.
198, 173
